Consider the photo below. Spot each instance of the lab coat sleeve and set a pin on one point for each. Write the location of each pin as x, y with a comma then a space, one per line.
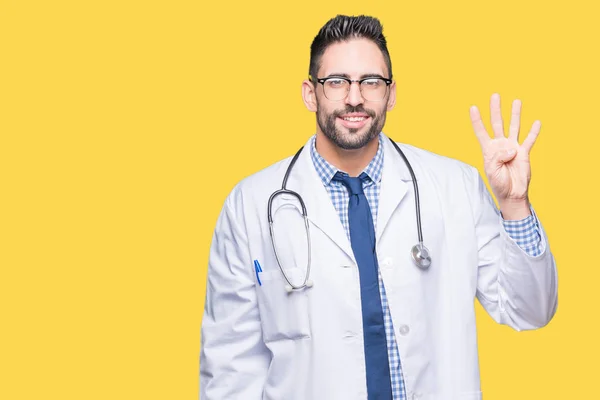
525, 233
515, 288
233, 358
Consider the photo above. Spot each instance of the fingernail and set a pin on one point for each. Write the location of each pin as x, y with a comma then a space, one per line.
510, 152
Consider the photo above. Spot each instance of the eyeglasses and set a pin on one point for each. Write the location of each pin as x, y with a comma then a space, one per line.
336, 88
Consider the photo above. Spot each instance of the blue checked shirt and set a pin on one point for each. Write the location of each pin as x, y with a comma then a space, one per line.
524, 232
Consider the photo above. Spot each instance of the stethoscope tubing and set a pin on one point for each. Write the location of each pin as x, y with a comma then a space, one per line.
416, 251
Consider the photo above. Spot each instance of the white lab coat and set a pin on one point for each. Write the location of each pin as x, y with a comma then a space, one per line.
259, 342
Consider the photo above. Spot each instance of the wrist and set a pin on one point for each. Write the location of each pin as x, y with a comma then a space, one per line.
515, 209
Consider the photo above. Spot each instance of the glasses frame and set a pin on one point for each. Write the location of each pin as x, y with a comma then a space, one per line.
322, 81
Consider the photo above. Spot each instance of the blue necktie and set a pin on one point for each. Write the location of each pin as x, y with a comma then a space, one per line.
362, 238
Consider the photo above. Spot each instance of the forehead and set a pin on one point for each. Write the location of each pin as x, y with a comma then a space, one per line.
355, 57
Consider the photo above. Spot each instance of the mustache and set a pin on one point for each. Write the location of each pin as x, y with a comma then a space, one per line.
354, 109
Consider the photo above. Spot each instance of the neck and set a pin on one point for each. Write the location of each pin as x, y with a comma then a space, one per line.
352, 162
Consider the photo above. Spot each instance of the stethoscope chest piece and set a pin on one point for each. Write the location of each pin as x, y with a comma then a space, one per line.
421, 256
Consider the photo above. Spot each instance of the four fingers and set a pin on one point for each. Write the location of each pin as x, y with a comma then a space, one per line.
497, 123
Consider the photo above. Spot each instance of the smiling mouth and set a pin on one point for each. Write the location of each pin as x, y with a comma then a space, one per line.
354, 121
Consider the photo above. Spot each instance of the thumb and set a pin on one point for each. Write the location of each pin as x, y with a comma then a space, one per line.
503, 156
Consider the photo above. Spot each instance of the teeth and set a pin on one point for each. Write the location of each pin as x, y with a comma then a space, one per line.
354, 119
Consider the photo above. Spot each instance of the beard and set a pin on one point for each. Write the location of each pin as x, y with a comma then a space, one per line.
351, 140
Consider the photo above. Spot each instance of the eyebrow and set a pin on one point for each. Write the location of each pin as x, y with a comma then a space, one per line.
363, 76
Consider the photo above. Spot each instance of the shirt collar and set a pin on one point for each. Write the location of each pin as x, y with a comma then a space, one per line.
326, 171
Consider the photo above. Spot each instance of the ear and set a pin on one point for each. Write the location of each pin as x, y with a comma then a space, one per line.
309, 95
392, 99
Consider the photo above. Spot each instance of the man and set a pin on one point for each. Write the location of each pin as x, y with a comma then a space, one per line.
347, 307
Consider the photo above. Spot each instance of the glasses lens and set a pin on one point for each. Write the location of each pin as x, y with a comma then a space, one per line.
373, 89
335, 89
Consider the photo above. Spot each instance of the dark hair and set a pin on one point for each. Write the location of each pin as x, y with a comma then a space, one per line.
342, 28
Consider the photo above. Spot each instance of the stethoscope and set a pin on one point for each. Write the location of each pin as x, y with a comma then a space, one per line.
420, 254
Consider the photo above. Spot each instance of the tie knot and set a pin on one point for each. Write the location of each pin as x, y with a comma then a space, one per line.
354, 185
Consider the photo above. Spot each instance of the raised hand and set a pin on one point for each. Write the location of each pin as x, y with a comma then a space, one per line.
506, 163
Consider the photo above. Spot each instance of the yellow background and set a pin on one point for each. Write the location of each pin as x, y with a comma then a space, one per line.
124, 125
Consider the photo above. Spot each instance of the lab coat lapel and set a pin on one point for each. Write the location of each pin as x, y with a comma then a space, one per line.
319, 206
394, 185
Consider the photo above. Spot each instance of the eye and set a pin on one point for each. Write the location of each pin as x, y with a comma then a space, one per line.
335, 82
372, 82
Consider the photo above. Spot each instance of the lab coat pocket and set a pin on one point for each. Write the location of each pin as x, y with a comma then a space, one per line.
284, 316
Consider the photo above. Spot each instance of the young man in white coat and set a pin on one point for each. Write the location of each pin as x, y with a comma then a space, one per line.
349, 304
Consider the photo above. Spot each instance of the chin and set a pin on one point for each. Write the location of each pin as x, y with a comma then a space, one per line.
353, 141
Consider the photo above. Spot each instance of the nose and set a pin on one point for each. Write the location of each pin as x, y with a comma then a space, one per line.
354, 97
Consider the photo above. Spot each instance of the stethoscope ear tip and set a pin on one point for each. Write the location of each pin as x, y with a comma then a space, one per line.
309, 283
288, 288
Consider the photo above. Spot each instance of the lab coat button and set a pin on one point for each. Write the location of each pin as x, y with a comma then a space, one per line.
404, 329
387, 261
